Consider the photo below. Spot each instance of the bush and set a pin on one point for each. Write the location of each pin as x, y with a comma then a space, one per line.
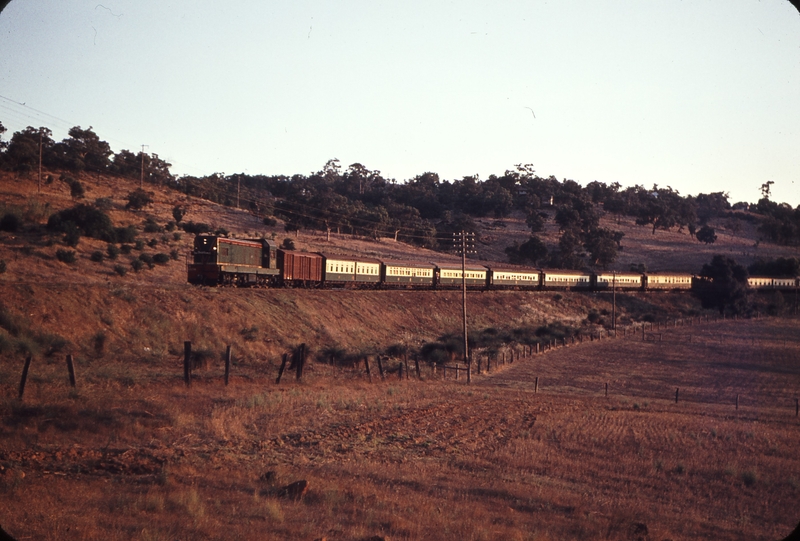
137, 265
152, 243
112, 251
161, 259
270, 221
65, 256
119, 269
138, 245
76, 189
125, 234
178, 212
103, 203
91, 222
147, 259
3, 265
138, 199
72, 237
10, 223
97, 256
175, 254
170, 226
195, 228
125, 248
151, 226
176, 237
288, 244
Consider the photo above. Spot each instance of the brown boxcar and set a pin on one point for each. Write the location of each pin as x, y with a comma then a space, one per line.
300, 268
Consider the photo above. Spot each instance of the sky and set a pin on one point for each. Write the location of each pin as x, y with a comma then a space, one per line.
702, 96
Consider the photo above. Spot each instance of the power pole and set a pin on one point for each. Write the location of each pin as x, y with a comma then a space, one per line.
614, 303
464, 243
39, 186
238, 190
141, 179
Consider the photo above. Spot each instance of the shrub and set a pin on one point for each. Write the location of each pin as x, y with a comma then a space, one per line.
65, 256
152, 243
3, 265
138, 245
270, 221
151, 226
72, 237
76, 189
97, 256
161, 259
112, 251
288, 244
195, 228
147, 259
125, 234
10, 223
103, 203
138, 199
175, 254
178, 212
170, 226
120, 270
137, 265
125, 248
176, 236
91, 222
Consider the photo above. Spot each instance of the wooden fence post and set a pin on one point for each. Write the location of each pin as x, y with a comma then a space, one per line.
676, 395
606, 389
227, 364
366, 364
536, 385
71, 370
380, 366
24, 375
469, 370
284, 360
301, 360
737, 402
187, 369
416, 362
488, 363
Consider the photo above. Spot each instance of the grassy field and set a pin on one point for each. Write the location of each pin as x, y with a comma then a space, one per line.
152, 459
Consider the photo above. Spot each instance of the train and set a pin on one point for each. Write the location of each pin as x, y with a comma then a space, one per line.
223, 261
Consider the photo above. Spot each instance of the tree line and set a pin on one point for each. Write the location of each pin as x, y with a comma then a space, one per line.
426, 209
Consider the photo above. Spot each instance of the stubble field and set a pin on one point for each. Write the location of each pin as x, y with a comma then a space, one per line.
426, 459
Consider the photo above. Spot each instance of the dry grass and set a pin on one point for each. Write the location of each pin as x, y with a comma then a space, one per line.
427, 460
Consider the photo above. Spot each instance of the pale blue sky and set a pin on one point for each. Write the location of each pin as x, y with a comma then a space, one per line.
699, 95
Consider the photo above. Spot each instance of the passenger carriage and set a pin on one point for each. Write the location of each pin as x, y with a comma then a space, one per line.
566, 279
667, 280
619, 280
511, 278
407, 274
448, 275
347, 270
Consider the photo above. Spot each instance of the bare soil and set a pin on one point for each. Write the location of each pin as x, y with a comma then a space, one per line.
426, 459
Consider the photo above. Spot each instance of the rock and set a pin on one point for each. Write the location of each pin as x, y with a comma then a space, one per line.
296, 490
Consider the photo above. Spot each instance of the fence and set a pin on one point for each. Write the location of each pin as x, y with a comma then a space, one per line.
487, 361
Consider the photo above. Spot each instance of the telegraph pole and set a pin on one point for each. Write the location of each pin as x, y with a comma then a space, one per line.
39, 185
614, 303
141, 179
464, 242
